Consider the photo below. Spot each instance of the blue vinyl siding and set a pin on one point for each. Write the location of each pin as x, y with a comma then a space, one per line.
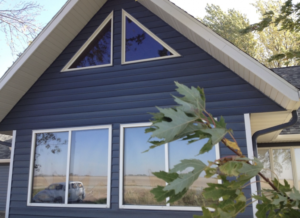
4, 169
123, 94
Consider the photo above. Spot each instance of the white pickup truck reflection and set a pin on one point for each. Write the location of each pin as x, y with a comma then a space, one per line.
55, 193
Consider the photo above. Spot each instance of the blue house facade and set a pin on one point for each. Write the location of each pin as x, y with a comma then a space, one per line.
78, 119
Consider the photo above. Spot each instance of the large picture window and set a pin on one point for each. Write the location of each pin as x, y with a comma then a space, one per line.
136, 178
282, 163
70, 167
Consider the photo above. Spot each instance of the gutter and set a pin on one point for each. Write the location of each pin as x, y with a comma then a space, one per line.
268, 130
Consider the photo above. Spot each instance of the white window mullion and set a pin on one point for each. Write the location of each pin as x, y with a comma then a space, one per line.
271, 163
68, 168
294, 168
167, 163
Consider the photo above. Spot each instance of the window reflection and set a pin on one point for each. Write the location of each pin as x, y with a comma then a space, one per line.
282, 165
88, 167
179, 150
98, 52
49, 173
138, 168
264, 158
140, 45
297, 160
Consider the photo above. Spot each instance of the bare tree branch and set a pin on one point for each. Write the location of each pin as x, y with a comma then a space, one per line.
18, 23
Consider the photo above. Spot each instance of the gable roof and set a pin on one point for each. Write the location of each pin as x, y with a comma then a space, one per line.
75, 14
292, 75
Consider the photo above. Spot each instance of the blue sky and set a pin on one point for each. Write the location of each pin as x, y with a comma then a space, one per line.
89, 154
51, 7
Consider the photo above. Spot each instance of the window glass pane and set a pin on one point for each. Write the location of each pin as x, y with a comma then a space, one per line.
264, 157
283, 165
5, 146
138, 168
98, 52
140, 45
88, 167
179, 150
297, 158
50, 164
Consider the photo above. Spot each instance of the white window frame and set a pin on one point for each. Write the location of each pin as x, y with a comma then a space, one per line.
121, 188
11, 167
4, 161
110, 17
293, 161
69, 130
123, 43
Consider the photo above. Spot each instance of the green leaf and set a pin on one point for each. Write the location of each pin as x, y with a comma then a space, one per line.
195, 163
217, 134
295, 195
192, 96
169, 130
216, 191
221, 123
167, 177
184, 181
224, 214
280, 199
231, 168
251, 170
210, 172
206, 214
161, 195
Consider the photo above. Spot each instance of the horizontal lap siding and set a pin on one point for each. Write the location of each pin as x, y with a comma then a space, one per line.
4, 168
123, 94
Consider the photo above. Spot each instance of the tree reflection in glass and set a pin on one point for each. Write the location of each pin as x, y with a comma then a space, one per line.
282, 164
88, 167
98, 52
138, 168
179, 150
140, 45
264, 158
49, 173
297, 155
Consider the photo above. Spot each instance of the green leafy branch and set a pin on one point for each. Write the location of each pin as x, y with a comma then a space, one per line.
287, 20
191, 122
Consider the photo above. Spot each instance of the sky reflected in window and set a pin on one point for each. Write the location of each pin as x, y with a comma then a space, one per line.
50, 164
180, 150
140, 45
89, 158
138, 168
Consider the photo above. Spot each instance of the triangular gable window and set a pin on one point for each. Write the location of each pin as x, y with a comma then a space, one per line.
139, 44
98, 49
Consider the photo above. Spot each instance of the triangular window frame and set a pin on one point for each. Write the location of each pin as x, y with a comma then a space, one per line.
149, 32
110, 17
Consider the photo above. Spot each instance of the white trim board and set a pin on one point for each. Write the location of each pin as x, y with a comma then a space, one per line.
121, 175
251, 156
4, 161
70, 130
110, 17
11, 166
150, 33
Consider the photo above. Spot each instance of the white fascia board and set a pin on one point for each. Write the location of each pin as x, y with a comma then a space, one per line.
38, 41
229, 49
